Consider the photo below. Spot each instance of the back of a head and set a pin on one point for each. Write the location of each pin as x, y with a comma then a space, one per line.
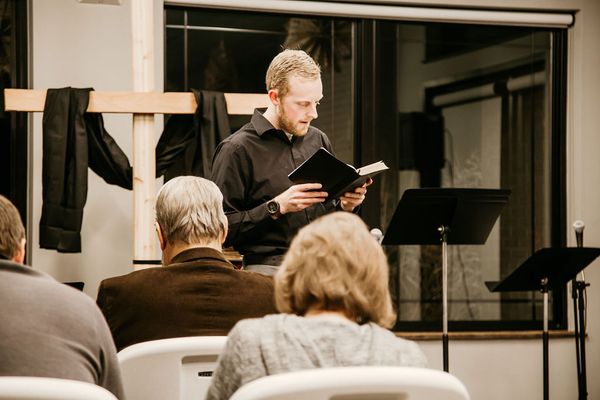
335, 264
189, 209
12, 231
290, 63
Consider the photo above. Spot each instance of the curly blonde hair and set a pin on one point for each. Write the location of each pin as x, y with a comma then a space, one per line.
335, 264
290, 63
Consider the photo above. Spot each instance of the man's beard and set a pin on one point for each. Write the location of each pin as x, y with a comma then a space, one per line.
288, 126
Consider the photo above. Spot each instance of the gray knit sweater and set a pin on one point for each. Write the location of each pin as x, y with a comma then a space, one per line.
282, 343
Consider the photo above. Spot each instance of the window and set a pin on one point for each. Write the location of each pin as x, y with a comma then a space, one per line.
444, 105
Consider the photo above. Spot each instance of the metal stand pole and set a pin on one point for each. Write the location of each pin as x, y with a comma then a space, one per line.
578, 288
444, 237
544, 289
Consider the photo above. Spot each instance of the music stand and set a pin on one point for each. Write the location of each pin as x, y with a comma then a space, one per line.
449, 216
548, 268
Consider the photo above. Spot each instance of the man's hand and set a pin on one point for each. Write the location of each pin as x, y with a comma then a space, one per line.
350, 200
298, 197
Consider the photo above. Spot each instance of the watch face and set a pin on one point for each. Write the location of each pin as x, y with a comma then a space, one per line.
272, 207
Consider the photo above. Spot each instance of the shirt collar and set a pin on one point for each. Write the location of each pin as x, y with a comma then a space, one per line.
195, 253
261, 124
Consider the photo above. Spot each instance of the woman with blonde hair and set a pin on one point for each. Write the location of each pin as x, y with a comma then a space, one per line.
332, 291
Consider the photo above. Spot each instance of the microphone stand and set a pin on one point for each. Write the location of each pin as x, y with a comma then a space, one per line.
443, 230
578, 294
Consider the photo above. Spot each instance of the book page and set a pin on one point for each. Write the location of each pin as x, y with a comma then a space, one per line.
372, 168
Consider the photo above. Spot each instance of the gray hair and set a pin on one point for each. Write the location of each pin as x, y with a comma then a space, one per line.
189, 209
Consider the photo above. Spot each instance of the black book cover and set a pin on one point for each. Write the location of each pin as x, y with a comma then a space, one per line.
336, 176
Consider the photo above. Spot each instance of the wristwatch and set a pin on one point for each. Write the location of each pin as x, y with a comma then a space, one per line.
273, 208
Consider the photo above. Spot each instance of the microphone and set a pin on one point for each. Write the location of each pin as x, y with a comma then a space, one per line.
578, 227
377, 234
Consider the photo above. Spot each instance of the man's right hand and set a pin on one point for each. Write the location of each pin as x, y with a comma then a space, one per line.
298, 197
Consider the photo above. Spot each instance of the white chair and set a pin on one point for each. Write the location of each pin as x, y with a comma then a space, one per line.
174, 369
33, 388
353, 383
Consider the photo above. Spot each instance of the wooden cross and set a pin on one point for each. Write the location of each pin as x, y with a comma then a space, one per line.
143, 103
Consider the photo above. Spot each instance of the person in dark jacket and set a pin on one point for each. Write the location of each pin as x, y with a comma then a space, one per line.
197, 291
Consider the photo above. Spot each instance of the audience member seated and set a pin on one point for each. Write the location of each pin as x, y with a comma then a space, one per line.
48, 329
197, 291
332, 290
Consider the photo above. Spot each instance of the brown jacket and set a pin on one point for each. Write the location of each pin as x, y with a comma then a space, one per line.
199, 294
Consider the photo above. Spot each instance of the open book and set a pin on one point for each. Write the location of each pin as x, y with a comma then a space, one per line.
336, 176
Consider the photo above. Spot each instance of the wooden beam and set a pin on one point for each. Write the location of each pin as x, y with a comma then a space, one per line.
136, 102
144, 162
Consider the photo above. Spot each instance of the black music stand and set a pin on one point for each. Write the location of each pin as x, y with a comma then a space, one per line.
548, 268
449, 216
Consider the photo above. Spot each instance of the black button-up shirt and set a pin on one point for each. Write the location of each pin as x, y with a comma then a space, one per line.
251, 167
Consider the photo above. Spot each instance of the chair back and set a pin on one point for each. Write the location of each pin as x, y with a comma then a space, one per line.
354, 383
175, 369
34, 388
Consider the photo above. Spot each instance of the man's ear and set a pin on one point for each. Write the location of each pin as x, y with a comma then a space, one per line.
161, 236
19, 258
274, 97
225, 231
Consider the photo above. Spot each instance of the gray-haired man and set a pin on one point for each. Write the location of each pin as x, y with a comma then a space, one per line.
197, 291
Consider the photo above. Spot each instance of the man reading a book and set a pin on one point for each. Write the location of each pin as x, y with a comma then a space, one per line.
264, 209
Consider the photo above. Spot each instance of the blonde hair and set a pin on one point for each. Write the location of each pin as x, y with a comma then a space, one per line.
12, 231
335, 264
189, 209
289, 63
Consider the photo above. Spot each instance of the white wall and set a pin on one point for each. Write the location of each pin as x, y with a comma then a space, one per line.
89, 45
508, 369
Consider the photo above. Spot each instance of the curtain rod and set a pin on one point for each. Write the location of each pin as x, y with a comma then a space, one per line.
562, 19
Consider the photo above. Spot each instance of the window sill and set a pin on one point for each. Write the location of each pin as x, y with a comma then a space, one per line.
492, 335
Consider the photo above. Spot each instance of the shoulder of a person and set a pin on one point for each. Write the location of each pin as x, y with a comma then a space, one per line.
247, 331
242, 136
393, 340
320, 136
39, 281
313, 130
132, 278
256, 277
10, 267
254, 324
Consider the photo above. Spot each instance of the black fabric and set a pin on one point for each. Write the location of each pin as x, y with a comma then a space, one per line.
105, 156
64, 169
188, 142
74, 140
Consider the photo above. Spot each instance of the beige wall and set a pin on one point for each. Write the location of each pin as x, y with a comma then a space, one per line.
89, 45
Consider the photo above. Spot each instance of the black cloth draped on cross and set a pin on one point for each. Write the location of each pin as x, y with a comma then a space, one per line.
74, 139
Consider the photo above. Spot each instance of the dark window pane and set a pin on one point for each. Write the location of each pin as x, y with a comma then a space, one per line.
174, 16
444, 105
